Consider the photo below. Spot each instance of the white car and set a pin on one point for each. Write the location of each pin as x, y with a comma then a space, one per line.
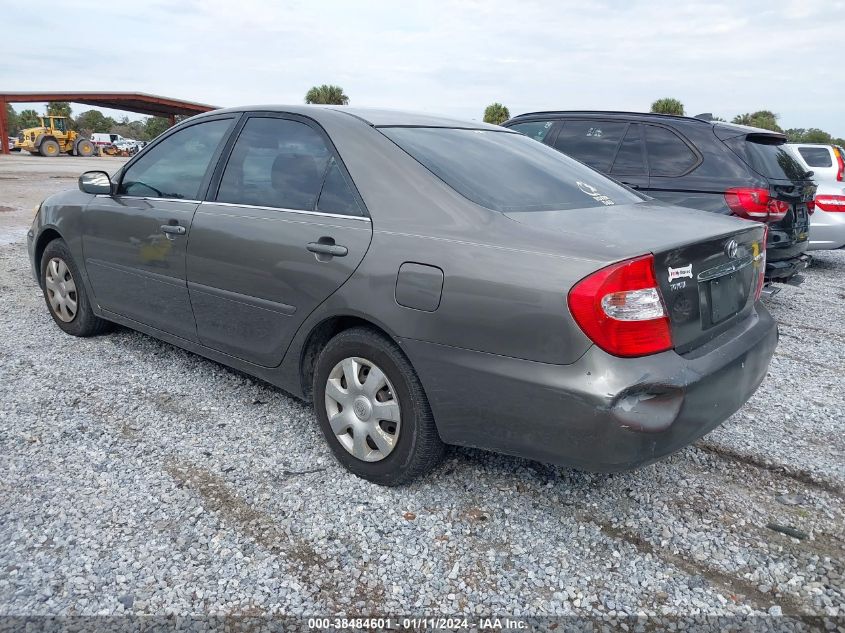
827, 162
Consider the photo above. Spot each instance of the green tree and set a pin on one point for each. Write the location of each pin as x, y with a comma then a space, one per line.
765, 119
496, 113
28, 118
815, 135
131, 129
92, 121
154, 126
668, 105
59, 108
12, 120
327, 94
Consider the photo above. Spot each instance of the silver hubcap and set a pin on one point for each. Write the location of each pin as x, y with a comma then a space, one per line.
61, 290
363, 409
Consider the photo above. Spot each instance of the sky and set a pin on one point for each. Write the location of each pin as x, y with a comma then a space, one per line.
450, 58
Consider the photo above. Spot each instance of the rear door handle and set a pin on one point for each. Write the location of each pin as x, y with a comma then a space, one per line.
173, 229
332, 250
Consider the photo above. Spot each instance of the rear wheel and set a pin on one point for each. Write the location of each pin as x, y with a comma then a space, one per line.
85, 148
49, 148
64, 293
372, 409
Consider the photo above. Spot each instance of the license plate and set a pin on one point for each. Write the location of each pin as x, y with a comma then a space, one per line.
724, 297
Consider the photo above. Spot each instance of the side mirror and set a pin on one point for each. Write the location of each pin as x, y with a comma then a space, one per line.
95, 182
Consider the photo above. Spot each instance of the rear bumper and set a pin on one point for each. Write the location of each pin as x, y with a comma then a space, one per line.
601, 413
786, 257
827, 230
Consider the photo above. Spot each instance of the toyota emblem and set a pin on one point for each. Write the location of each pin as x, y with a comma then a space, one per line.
731, 249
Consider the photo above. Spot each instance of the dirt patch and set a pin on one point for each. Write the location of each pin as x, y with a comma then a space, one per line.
6, 209
736, 589
802, 476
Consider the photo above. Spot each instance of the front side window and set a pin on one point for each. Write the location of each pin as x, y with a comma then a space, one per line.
816, 156
176, 166
276, 163
506, 172
668, 155
538, 130
59, 124
591, 142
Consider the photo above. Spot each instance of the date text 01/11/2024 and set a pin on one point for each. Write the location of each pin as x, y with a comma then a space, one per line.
434, 623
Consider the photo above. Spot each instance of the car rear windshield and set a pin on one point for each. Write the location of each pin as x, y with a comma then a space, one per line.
505, 171
767, 156
816, 156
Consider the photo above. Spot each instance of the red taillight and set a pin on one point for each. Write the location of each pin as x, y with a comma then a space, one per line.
621, 310
761, 271
840, 172
831, 203
755, 204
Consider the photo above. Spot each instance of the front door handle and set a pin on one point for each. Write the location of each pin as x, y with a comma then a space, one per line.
327, 248
173, 229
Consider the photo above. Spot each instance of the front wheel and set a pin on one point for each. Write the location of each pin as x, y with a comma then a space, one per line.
49, 148
64, 293
372, 409
85, 148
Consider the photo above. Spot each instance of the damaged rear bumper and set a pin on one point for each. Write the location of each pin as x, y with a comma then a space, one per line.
602, 413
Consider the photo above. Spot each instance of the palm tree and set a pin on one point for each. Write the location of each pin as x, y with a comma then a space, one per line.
327, 94
765, 119
668, 105
496, 113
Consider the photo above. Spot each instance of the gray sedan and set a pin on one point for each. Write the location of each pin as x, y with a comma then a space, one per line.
423, 281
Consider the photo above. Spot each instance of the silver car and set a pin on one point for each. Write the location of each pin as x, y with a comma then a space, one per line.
827, 162
423, 281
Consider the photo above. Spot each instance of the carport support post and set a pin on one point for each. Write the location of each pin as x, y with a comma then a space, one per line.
4, 123
172, 119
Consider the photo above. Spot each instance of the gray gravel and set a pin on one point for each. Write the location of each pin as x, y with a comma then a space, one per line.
139, 478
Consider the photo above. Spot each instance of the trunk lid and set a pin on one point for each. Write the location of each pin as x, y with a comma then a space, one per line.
707, 266
765, 153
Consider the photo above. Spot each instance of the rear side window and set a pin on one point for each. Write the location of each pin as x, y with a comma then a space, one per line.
816, 156
767, 156
507, 172
275, 163
629, 160
176, 166
668, 155
591, 142
336, 195
533, 129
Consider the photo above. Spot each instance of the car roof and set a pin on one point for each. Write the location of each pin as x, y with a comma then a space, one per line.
645, 116
377, 117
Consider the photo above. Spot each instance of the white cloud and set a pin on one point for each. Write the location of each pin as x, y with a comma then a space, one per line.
449, 57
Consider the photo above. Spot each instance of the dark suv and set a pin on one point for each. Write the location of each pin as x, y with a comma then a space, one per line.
691, 162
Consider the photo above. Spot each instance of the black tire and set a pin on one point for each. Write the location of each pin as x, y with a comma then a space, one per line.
49, 147
418, 448
84, 322
85, 148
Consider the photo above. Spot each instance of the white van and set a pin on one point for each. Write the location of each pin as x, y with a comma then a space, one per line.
101, 138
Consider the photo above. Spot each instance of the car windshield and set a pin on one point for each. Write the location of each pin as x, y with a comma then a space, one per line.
505, 171
767, 155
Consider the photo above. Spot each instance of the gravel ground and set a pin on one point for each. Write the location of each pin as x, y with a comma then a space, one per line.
139, 478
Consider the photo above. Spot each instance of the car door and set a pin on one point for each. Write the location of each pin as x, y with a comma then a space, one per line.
630, 165
284, 227
134, 242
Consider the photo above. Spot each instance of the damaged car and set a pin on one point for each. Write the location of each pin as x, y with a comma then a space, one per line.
422, 281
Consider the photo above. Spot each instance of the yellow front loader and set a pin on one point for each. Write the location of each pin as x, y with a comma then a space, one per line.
53, 137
